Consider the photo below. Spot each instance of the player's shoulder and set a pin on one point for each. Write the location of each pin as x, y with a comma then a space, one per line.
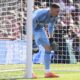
42, 10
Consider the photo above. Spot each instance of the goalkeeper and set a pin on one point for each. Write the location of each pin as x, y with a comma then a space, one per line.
40, 18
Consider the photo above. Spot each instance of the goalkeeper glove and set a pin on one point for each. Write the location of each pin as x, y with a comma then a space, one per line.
53, 44
35, 48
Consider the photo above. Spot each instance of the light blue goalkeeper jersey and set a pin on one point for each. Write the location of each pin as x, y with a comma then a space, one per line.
42, 17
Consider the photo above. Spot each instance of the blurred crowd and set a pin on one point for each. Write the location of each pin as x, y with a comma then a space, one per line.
67, 28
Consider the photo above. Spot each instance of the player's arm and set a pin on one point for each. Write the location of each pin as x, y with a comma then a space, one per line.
53, 44
52, 25
50, 30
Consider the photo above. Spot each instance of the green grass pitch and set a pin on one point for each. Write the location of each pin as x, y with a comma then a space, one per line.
65, 71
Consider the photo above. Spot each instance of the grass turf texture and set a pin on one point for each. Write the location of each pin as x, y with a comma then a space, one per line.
65, 71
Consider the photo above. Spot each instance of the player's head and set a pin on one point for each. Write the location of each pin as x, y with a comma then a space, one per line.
54, 9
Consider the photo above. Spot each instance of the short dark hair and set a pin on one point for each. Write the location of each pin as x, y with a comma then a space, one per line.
54, 5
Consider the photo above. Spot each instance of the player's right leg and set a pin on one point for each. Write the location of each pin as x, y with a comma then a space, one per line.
42, 39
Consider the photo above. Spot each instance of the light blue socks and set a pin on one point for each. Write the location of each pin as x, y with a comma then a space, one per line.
47, 60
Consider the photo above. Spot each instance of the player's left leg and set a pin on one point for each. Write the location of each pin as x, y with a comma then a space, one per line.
47, 61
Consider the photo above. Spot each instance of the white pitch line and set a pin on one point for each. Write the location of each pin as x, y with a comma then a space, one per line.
13, 70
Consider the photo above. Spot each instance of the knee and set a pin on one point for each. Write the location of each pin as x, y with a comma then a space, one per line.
47, 48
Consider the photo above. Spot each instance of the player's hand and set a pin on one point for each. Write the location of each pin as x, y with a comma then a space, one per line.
35, 48
53, 44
